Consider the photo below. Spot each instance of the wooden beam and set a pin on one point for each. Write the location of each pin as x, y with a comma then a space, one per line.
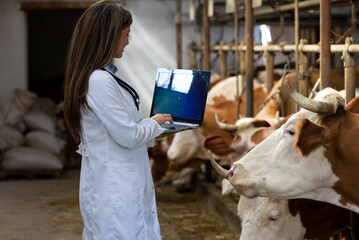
206, 38
325, 42
249, 25
36, 5
178, 23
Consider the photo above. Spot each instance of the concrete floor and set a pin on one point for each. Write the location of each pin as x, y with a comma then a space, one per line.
47, 209
40, 209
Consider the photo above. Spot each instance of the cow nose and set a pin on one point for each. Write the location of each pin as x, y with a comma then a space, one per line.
231, 172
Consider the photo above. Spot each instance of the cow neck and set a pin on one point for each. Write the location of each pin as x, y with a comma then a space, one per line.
320, 219
344, 157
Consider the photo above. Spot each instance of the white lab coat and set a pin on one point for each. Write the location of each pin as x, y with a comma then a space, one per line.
117, 198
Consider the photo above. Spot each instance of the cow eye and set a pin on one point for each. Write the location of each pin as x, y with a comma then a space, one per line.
273, 218
289, 132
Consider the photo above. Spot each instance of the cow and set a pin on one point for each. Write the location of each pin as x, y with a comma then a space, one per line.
310, 156
164, 170
267, 218
187, 145
227, 89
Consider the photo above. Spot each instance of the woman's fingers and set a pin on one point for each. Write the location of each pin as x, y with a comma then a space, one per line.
160, 118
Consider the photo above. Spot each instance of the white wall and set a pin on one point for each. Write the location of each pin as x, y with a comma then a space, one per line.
13, 47
152, 45
13, 58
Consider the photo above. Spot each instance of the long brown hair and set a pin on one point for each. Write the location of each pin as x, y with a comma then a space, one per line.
93, 44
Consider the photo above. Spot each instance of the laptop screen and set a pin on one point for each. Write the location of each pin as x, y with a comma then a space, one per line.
181, 93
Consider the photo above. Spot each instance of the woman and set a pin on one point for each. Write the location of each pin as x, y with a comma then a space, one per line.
117, 198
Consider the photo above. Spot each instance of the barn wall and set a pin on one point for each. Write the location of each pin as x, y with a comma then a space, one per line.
13, 57
13, 47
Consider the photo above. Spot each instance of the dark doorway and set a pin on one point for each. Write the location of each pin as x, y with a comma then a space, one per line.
49, 34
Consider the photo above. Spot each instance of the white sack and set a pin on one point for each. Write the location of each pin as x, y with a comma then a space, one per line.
20, 126
26, 158
40, 121
43, 140
10, 137
22, 101
45, 105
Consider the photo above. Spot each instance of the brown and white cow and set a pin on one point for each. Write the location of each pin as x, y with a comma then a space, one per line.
266, 218
187, 144
313, 156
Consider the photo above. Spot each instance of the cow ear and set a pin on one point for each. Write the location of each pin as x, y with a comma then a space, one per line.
218, 145
309, 136
353, 105
260, 123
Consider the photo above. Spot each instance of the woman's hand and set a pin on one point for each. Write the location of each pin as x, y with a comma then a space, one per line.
161, 118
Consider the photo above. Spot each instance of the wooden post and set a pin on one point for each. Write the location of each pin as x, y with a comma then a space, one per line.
193, 63
349, 71
223, 62
206, 67
325, 41
303, 69
296, 40
206, 37
242, 57
313, 40
249, 19
178, 33
269, 68
337, 63
236, 58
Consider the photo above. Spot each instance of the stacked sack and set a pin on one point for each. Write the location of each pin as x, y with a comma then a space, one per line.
31, 134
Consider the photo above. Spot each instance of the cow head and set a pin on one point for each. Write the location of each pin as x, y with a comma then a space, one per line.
246, 134
265, 218
293, 161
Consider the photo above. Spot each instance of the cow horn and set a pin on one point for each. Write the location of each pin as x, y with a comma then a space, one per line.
219, 169
225, 126
307, 103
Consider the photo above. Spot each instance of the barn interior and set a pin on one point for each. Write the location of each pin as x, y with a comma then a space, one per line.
254, 42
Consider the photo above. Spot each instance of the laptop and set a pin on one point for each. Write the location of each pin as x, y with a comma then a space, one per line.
183, 94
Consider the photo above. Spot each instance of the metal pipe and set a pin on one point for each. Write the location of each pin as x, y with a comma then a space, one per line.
206, 37
281, 29
193, 63
296, 41
269, 69
207, 67
249, 56
303, 70
178, 33
242, 56
223, 63
309, 48
325, 41
236, 56
349, 72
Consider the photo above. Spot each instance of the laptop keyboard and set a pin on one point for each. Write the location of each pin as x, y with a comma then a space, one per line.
173, 126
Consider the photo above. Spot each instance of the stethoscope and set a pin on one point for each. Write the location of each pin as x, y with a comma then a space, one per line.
127, 87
